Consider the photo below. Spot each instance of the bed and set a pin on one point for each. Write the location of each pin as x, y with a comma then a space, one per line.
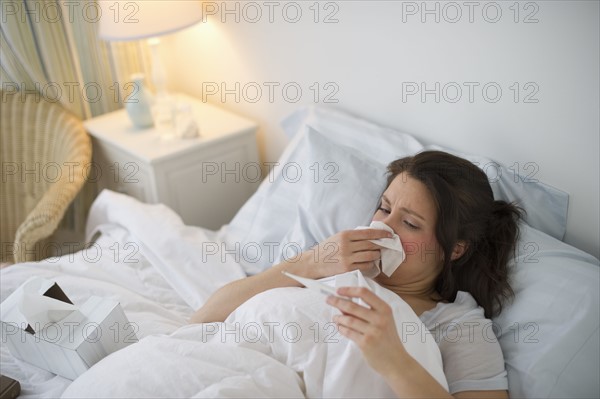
161, 270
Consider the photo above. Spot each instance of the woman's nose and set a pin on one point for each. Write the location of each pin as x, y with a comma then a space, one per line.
378, 217
383, 218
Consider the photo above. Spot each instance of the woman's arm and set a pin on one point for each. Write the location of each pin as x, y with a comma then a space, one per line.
345, 251
374, 331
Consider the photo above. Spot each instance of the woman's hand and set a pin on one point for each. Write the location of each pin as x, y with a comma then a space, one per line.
343, 252
373, 330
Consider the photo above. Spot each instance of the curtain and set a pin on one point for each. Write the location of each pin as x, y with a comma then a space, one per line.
52, 47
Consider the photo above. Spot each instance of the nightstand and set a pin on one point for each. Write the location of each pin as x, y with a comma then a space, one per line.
205, 179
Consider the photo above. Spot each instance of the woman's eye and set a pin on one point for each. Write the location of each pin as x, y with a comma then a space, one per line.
382, 209
410, 225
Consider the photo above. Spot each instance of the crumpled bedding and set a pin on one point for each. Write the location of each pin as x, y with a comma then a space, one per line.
189, 363
280, 343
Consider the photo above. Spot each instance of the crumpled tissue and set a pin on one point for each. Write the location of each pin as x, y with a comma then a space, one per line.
392, 253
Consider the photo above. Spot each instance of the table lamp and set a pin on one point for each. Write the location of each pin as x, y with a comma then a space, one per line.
148, 19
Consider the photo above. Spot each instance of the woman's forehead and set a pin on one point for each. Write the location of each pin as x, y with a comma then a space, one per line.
406, 191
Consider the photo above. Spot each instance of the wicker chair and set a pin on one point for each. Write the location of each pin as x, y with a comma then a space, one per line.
45, 156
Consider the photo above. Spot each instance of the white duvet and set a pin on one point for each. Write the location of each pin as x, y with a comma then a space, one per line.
281, 343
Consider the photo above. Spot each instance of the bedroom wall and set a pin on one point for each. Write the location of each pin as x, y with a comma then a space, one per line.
388, 61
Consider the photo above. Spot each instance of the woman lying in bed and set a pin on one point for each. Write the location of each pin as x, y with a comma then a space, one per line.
457, 241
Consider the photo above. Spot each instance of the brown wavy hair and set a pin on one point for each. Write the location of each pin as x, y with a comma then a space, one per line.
467, 211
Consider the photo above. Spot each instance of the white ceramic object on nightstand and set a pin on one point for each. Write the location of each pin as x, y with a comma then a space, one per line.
163, 113
186, 126
138, 104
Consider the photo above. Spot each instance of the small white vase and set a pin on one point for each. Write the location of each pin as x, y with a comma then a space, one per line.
138, 104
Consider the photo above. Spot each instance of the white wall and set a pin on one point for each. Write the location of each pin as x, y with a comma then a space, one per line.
376, 46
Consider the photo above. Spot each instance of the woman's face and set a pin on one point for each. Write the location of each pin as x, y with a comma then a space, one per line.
408, 208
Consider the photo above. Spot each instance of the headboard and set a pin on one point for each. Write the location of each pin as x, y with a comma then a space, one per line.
513, 81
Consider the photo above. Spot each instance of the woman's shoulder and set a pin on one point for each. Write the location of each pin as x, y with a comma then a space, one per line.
464, 308
471, 354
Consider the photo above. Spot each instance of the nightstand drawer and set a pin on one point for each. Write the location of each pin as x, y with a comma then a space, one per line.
209, 186
119, 171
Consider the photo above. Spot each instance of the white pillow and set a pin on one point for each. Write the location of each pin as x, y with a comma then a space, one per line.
550, 333
374, 142
546, 206
336, 189
255, 232
344, 195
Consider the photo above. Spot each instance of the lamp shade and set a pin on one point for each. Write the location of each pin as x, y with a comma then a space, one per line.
132, 20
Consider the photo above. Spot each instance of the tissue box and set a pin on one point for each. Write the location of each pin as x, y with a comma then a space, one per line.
40, 325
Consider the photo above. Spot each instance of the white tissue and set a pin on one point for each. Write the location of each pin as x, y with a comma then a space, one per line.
40, 310
392, 253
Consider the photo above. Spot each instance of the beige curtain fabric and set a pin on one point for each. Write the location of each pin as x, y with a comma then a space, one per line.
53, 47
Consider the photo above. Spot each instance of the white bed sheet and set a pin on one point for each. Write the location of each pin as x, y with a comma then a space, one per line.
147, 299
152, 268
190, 363
261, 350
128, 265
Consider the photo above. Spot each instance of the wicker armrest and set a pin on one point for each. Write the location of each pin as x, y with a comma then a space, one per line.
42, 221
40, 224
